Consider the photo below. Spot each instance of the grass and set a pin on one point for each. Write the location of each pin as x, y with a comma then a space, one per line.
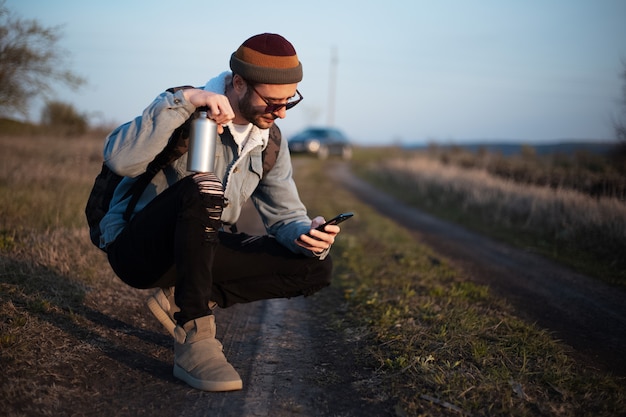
438, 345
582, 231
44, 181
442, 345
46, 271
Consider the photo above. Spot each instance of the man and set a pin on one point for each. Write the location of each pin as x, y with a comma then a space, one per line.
175, 236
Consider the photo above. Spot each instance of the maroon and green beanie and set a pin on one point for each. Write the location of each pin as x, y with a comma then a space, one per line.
267, 59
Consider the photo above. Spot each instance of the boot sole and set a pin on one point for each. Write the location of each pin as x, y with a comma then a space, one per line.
161, 315
213, 386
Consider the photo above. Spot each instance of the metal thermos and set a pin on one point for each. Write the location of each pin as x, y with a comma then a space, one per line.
202, 141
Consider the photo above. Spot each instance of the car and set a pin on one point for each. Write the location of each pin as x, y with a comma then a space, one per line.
321, 142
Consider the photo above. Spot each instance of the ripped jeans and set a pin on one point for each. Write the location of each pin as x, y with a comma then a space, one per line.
175, 241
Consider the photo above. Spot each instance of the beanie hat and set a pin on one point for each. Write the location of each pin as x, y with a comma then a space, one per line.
267, 59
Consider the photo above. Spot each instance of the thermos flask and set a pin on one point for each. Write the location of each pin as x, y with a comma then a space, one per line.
202, 141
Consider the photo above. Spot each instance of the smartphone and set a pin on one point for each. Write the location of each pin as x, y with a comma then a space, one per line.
335, 220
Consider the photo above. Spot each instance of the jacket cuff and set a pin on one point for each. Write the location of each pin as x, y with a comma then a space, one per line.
323, 254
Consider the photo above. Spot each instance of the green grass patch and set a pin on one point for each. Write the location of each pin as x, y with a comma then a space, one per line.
442, 345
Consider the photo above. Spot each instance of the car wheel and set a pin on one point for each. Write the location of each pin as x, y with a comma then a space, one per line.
346, 153
322, 152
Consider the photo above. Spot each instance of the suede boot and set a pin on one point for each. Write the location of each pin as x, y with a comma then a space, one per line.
163, 306
199, 359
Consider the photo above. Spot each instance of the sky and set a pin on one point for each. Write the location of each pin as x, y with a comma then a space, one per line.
403, 71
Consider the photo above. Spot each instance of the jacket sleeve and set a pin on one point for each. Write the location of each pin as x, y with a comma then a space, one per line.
129, 148
277, 200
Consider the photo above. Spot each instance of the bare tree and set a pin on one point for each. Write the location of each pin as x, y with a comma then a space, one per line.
30, 60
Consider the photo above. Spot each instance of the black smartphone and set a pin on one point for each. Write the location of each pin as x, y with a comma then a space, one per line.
335, 220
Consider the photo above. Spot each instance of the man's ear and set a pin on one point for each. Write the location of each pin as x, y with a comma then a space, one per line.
239, 84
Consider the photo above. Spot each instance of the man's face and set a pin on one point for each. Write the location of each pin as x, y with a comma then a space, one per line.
253, 104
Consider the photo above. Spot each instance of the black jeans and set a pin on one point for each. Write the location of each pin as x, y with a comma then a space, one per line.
165, 244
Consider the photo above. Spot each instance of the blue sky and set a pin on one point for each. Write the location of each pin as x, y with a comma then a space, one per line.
408, 71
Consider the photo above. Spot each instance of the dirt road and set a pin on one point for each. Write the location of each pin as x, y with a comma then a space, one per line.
586, 314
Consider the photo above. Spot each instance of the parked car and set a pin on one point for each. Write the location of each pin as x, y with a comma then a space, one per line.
321, 142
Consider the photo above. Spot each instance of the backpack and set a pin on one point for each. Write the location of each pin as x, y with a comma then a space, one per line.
107, 181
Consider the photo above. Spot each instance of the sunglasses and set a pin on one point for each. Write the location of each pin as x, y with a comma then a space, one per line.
273, 108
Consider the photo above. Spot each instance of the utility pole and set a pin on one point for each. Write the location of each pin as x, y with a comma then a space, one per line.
332, 86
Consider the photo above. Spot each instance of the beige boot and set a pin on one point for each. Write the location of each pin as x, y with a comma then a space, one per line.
199, 360
163, 306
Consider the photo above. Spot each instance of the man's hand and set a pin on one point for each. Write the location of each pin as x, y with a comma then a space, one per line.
220, 110
318, 241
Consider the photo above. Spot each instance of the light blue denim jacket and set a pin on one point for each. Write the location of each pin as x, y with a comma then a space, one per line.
131, 147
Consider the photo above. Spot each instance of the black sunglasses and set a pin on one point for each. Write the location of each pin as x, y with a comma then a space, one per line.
273, 108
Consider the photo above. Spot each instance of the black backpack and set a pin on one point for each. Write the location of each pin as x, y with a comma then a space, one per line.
107, 181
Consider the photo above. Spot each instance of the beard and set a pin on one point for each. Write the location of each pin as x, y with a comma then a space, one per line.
251, 113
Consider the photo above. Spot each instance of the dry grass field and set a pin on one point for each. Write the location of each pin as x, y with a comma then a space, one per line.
585, 231
441, 346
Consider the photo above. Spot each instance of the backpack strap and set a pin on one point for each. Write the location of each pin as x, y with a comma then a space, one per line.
182, 87
271, 151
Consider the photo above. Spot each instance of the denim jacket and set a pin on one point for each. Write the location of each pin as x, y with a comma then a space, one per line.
129, 149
